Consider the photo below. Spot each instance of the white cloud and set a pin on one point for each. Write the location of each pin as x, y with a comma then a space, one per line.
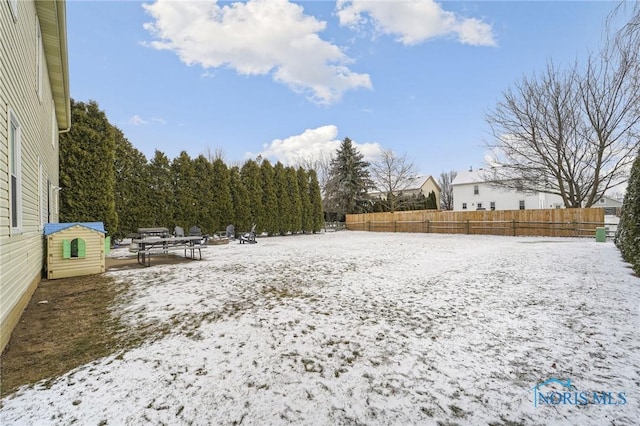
312, 144
136, 120
256, 37
413, 21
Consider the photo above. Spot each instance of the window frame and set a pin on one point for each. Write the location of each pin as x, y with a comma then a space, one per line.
521, 205
492, 205
464, 206
476, 189
15, 172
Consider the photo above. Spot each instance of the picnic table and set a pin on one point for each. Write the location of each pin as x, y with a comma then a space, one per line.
153, 245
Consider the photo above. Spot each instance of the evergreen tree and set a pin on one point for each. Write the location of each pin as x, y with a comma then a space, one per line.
132, 187
349, 181
205, 209
185, 201
315, 197
222, 195
161, 187
284, 201
295, 201
87, 174
241, 202
252, 179
305, 200
431, 203
270, 197
628, 233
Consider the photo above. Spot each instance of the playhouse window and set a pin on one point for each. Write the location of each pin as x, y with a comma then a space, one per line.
76, 248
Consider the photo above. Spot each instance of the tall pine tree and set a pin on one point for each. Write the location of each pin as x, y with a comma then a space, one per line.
305, 200
241, 202
252, 179
295, 201
628, 232
270, 196
185, 201
349, 182
315, 197
205, 209
87, 174
161, 188
221, 194
132, 187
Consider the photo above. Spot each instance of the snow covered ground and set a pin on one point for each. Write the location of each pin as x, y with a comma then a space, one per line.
366, 328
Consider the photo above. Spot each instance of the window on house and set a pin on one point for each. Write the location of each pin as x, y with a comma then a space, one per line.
39, 60
15, 172
601, 200
76, 248
521, 204
480, 206
464, 206
492, 205
476, 190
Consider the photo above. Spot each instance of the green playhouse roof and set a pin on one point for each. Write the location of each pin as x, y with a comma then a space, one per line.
52, 228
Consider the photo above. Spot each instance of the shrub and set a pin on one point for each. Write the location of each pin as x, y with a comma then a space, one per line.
628, 234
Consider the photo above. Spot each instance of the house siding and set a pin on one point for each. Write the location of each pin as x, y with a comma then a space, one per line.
22, 253
503, 198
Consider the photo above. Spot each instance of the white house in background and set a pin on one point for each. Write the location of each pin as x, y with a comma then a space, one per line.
420, 185
34, 109
610, 205
471, 191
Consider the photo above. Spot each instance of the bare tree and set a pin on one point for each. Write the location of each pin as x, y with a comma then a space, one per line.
391, 175
320, 163
573, 132
446, 189
213, 155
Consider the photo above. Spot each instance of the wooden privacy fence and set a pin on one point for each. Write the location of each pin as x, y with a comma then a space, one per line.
544, 223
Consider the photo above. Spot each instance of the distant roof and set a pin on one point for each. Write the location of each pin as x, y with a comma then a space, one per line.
470, 176
418, 181
52, 228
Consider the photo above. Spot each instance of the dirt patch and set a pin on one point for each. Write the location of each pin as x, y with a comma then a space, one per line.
67, 324
115, 264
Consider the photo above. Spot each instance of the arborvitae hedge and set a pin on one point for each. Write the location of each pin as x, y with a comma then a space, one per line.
628, 233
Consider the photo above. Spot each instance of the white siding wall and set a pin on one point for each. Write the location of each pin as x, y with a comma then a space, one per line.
504, 199
21, 255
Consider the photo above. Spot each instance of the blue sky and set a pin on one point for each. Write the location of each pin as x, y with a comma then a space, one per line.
291, 79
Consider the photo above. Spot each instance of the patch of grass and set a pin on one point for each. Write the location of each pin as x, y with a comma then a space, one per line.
66, 324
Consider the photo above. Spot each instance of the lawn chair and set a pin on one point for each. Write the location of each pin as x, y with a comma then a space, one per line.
195, 231
249, 237
178, 232
231, 232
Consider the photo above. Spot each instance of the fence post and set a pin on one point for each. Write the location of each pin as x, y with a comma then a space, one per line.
468, 227
575, 228
395, 226
369, 226
514, 227
428, 226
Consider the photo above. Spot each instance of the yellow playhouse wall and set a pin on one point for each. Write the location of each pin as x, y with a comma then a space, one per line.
92, 263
